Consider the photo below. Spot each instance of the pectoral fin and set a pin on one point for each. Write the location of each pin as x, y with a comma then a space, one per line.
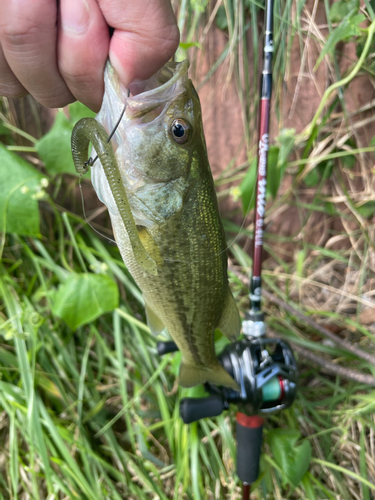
230, 322
154, 322
149, 244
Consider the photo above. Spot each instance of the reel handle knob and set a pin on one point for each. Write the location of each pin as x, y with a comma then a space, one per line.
193, 409
166, 347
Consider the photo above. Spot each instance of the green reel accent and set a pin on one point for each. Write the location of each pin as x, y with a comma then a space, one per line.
272, 390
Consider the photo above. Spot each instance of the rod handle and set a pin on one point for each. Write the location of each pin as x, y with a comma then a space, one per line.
249, 444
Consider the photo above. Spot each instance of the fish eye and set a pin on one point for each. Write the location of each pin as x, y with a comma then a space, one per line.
180, 131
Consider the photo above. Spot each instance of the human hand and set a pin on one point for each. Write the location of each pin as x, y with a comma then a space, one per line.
57, 51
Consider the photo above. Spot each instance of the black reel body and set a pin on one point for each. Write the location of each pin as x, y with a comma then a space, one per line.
265, 371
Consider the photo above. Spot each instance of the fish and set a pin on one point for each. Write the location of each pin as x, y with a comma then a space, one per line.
166, 219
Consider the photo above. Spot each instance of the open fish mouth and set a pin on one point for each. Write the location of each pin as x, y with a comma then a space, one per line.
166, 84
147, 95
163, 80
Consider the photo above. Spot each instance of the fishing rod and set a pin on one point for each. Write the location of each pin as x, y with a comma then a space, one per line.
264, 368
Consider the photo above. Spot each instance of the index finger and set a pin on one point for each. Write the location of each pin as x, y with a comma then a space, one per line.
145, 36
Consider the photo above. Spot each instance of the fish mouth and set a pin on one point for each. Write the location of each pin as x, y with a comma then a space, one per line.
166, 84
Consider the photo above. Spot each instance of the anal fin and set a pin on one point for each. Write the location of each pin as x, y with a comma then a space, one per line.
230, 321
191, 375
155, 324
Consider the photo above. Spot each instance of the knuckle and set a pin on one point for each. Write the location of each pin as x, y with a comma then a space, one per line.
57, 101
173, 39
77, 75
12, 90
21, 34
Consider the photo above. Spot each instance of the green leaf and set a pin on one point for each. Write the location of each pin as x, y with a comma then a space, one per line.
54, 148
286, 139
247, 187
188, 45
312, 178
221, 19
199, 6
77, 110
274, 171
20, 186
342, 8
293, 459
277, 160
347, 29
330, 208
349, 161
4, 130
325, 169
85, 297
372, 142
367, 210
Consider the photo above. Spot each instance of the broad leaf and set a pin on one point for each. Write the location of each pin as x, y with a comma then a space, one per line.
286, 139
349, 161
367, 210
199, 6
84, 297
342, 8
293, 459
247, 188
312, 178
347, 29
188, 45
274, 172
77, 110
54, 148
20, 186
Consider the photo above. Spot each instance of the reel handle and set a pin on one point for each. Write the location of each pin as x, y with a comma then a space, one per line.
166, 347
193, 409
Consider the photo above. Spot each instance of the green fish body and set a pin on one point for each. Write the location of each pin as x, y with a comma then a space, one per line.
162, 159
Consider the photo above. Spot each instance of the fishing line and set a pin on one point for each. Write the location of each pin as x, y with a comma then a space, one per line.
90, 161
85, 217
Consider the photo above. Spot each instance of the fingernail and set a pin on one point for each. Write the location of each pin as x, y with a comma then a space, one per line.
120, 69
75, 16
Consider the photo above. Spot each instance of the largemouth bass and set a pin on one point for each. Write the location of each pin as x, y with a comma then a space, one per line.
158, 187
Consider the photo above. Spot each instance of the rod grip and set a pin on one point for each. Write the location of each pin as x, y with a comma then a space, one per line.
249, 444
193, 409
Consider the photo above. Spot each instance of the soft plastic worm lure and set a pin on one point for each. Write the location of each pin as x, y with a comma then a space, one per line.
87, 131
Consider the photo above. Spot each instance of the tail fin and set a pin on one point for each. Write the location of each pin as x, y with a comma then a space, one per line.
191, 375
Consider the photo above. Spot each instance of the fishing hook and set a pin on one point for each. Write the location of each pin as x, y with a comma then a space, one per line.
90, 162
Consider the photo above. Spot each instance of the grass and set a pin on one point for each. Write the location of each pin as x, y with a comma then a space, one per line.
92, 412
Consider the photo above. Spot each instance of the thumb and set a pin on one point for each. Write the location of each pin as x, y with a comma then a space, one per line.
145, 36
